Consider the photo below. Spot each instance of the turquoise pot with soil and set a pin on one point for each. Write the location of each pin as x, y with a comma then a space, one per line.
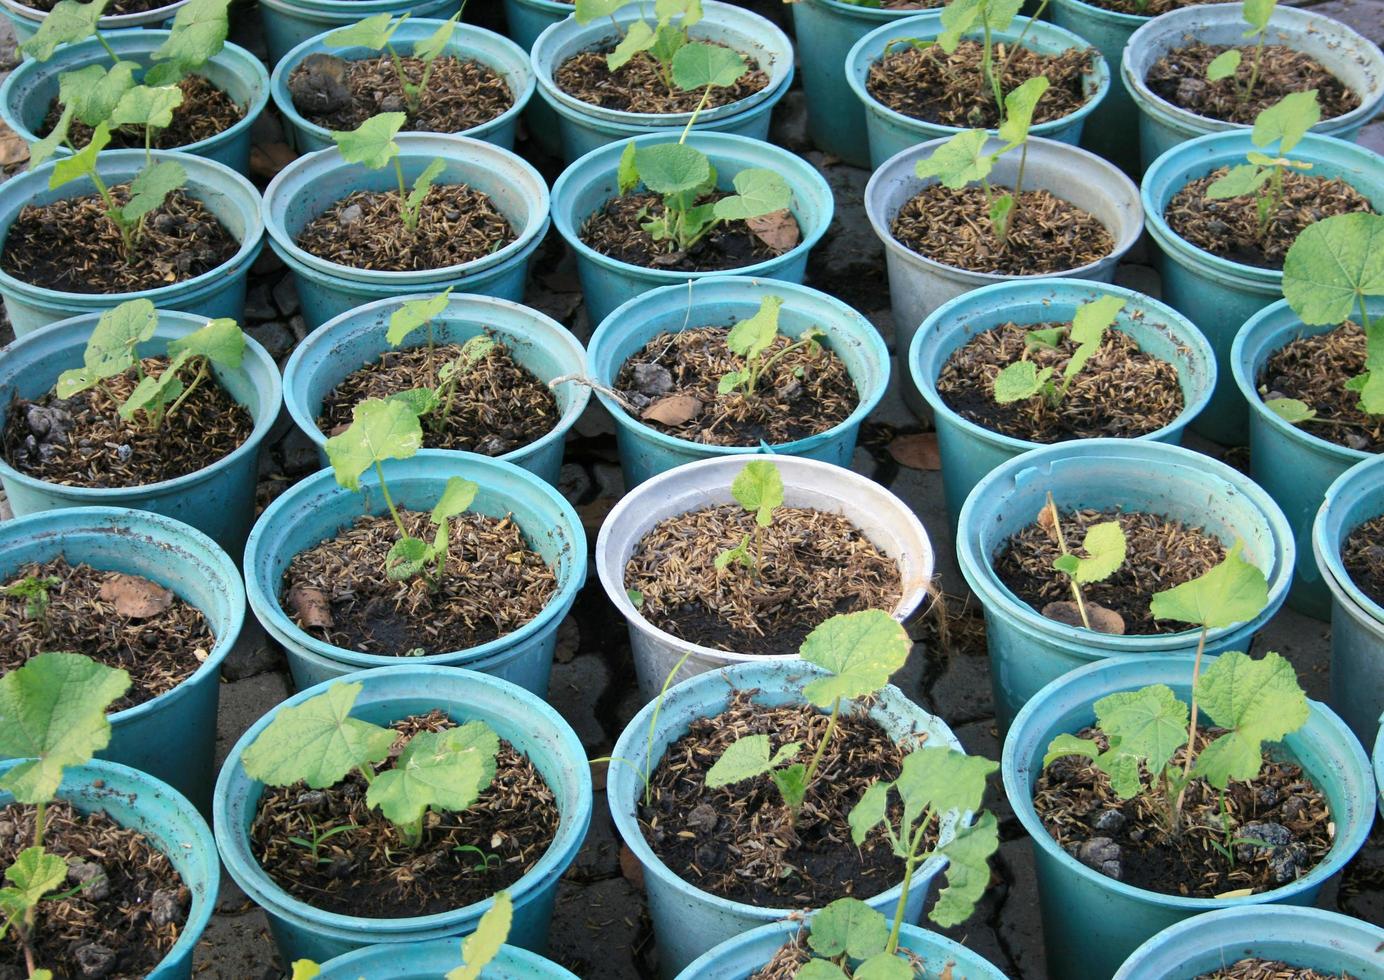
1107, 132
27, 20
288, 23
435, 959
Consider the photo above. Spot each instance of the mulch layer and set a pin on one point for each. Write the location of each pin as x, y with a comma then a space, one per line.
639, 84
1179, 77
1363, 556
205, 111
1315, 370
617, 230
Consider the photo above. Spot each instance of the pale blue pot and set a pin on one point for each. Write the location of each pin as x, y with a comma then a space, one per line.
721, 301
171, 737
1091, 923
584, 127
218, 500
527, 19
216, 293
970, 451
468, 43
31, 88
1357, 621
169, 823
1107, 131
26, 20
288, 23
1217, 294
1293, 466
889, 132
1379, 766
517, 716
317, 508
311, 184
1028, 650
433, 959
688, 921
588, 184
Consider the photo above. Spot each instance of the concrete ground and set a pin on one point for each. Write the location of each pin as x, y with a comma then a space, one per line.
601, 930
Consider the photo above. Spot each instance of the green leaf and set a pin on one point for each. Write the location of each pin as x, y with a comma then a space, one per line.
1223, 65
414, 314
942, 779
1092, 319
699, 64
406, 558
423, 183
960, 160
758, 488
820, 970
792, 785
1044, 339
151, 188
305, 970
884, 966
83, 162
757, 192
668, 41
434, 772
848, 926
93, 92
317, 742
431, 47
1104, 545
1067, 744
111, 347
869, 812
1257, 14
958, 17
419, 401
144, 105
588, 10
639, 37
457, 495
53, 713
1258, 701
1000, 211
221, 341
1147, 725
1235, 591
860, 649
1291, 410
1243, 179
373, 32
740, 553
67, 23
752, 336
379, 430
1287, 121
371, 144
968, 869
1019, 106
1018, 381
627, 176
34, 874
42, 150
746, 758
1333, 262
153, 392
483, 945
672, 168
199, 33
731, 380
689, 10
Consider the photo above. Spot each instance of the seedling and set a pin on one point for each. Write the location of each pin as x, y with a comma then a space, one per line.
759, 489
319, 743
436, 408
375, 33
111, 351
1227, 63
1284, 123
483, 858
751, 337
33, 589
372, 145
1023, 379
314, 845
1105, 548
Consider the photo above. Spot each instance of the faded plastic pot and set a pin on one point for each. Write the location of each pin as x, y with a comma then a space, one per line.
588, 184
1292, 465
1357, 621
1028, 650
891, 132
316, 509
688, 921
1353, 59
1107, 132
918, 285
313, 183
518, 716
1091, 923
216, 293
884, 519
535, 341
721, 301
1217, 294
970, 451
527, 19
435, 958
1379, 766
27, 20
169, 823
171, 737
467, 43
288, 23
31, 88
584, 127
218, 500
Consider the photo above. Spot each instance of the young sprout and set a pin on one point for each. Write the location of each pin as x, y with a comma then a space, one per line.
435, 410
34, 589
375, 33
963, 16
860, 651
1257, 14
751, 337
1105, 548
371, 144
314, 845
1285, 123
759, 489
1022, 379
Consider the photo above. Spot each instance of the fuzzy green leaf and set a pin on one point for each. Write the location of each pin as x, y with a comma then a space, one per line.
758, 488
746, 758
67, 23
1104, 545
1331, 264
145, 105
960, 160
848, 926
1020, 380
483, 945
1224, 65
1044, 339
627, 176
1147, 725
33, 874
1067, 744
820, 970
379, 430
111, 348
639, 37
1092, 319
672, 168
317, 742
1235, 591
1243, 179
752, 336
689, 10
962, 16
457, 495
1287, 121
221, 341
1019, 105
886, 966
1291, 410
423, 183
373, 32
414, 314
968, 868
699, 64
406, 558
41, 151
305, 970
419, 401
861, 650
1257, 14
371, 144
83, 162
444, 771
588, 10
93, 92
942, 780
431, 47
151, 188
198, 35
740, 553
153, 392
869, 812
1258, 701
757, 192
792, 785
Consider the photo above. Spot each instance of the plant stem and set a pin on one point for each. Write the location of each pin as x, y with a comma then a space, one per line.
987, 66
910, 863
1254, 66
695, 112
201, 374
653, 720
114, 57
1037, 15
409, 221
1191, 732
389, 501
40, 819
1062, 543
822, 745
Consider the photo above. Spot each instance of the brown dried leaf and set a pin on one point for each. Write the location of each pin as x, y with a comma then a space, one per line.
1102, 620
631, 868
777, 229
267, 159
1046, 517
917, 451
311, 606
135, 597
673, 409
13, 149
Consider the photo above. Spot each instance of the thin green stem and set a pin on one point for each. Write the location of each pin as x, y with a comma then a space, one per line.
653, 721
910, 863
1018, 43
403, 196
822, 745
40, 822
987, 67
1191, 732
1062, 543
201, 375
695, 112
109, 50
1254, 67
389, 501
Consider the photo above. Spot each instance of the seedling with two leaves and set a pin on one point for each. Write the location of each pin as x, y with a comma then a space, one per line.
33, 590
751, 337
1257, 14
1023, 379
1105, 548
435, 404
372, 145
1286, 122
759, 489
376, 33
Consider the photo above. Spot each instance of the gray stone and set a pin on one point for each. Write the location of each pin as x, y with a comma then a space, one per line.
168, 906
273, 336
350, 215
1108, 821
652, 379
94, 960
1102, 854
96, 884
286, 295
258, 303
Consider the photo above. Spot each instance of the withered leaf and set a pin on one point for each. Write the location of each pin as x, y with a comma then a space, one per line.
311, 606
777, 229
135, 597
917, 451
673, 409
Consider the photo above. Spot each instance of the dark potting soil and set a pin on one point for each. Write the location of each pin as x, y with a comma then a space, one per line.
368, 870
950, 89
1161, 553
126, 918
71, 246
794, 954
737, 841
114, 8
1179, 77
1258, 969
83, 442
1046, 233
491, 585
814, 566
616, 230
365, 231
341, 94
1230, 227
672, 383
1129, 840
119, 620
1121, 391
639, 85
205, 111
1315, 370
1363, 555
497, 406
1148, 8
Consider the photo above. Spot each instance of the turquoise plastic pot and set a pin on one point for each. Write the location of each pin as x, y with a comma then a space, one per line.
588, 184
1294, 466
1028, 650
32, 87
688, 921
1091, 923
218, 500
1305, 938
169, 823
27, 20
536, 342
721, 301
584, 127
742, 956
316, 509
1219, 295
890, 132
1357, 621
311, 184
500, 54
534, 729
1107, 130
527, 19
171, 737
970, 451
1379, 765
432, 960
215, 293
288, 23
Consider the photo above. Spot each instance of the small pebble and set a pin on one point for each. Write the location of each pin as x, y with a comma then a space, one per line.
350, 215
1109, 821
167, 906
95, 883
94, 960
1103, 855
